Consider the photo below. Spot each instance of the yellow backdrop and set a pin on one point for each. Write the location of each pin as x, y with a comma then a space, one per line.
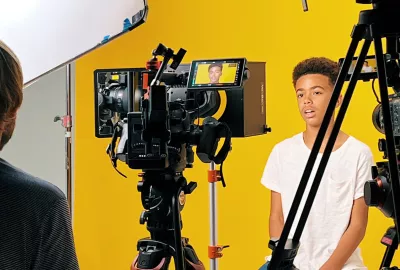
107, 206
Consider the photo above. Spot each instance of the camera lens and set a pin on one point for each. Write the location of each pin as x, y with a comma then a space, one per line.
377, 117
371, 193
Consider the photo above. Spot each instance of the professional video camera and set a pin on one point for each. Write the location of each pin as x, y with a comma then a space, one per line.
378, 192
159, 114
380, 22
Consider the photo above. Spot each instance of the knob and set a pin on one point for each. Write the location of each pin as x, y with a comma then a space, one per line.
143, 217
267, 129
140, 186
374, 172
372, 193
382, 145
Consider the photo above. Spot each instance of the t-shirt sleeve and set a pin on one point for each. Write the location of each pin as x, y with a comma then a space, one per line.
56, 246
364, 172
270, 178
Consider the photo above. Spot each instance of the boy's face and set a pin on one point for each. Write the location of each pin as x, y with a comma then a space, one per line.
214, 74
313, 93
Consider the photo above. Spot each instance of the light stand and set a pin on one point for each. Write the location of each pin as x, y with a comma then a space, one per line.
66, 122
383, 21
213, 217
68, 136
214, 251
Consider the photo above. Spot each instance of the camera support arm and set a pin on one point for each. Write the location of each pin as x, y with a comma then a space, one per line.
155, 109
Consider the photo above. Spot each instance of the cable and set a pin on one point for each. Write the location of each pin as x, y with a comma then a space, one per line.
373, 89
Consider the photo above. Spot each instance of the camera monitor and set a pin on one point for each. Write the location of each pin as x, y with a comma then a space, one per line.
48, 34
216, 74
368, 70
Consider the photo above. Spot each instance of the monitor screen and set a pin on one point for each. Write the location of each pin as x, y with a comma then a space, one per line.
369, 66
216, 73
368, 70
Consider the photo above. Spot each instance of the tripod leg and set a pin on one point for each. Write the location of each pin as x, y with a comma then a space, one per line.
163, 265
388, 257
332, 139
153, 255
387, 121
391, 243
191, 259
179, 258
357, 35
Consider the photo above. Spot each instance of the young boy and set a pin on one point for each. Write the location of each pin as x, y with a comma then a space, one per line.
338, 218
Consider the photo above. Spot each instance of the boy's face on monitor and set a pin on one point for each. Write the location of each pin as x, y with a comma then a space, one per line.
214, 74
313, 93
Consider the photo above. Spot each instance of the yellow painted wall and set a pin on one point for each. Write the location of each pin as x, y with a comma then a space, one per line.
107, 206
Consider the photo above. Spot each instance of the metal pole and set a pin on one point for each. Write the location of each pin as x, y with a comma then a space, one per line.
68, 149
213, 217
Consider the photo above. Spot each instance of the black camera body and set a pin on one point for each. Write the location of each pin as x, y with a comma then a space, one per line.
178, 114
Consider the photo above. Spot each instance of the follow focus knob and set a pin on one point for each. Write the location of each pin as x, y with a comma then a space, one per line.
382, 145
143, 217
140, 186
371, 193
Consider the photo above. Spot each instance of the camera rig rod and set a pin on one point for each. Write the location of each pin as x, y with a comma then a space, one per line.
381, 22
214, 250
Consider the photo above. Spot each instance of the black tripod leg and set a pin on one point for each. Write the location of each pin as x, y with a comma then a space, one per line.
192, 261
357, 35
161, 266
391, 243
387, 121
179, 257
332, 140
153, 255
388, 257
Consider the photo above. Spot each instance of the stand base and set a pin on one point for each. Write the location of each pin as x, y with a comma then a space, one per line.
288, 254
156, 255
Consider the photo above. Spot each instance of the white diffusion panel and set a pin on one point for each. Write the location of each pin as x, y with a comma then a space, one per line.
47, 34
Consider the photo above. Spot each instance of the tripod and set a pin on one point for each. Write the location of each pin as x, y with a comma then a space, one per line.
163, 196
383, 21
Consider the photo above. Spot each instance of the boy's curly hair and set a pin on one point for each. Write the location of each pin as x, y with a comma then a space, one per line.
316, 65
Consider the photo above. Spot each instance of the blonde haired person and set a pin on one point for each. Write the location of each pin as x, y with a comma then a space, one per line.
35, 224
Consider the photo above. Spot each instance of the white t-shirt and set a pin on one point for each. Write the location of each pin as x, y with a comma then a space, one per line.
343, 181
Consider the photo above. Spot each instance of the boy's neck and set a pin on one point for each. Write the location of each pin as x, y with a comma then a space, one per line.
311, 133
